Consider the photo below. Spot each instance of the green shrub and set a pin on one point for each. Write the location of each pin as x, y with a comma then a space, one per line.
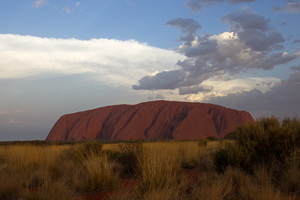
234, 156
290, 180
268, 141
203, 143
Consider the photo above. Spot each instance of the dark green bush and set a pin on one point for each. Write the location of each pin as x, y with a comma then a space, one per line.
203, 142
128, 158
268, 141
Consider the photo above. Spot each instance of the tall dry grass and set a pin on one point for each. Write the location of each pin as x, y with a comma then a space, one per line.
159, 169
98, 174
25, 173
189, 153
160, 164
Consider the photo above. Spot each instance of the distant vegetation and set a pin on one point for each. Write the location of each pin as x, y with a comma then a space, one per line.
259, 161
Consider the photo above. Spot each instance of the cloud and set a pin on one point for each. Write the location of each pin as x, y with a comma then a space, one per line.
282, 100
70, 8
130, 2
253, 29
104, 60
250, 45
296, 41
219, 87
155, 97
291, 7
12, 122
5, 112
187, 26
296, 68
39, 3
198, 5
67, 9
77, 4
195, 89
163, 80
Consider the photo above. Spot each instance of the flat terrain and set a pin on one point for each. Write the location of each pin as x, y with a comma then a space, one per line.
260, 161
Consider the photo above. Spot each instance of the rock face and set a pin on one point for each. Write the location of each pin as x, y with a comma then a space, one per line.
150, 120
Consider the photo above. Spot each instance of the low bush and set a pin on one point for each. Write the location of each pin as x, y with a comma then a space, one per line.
268, 141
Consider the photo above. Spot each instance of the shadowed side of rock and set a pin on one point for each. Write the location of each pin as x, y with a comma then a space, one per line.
150, 120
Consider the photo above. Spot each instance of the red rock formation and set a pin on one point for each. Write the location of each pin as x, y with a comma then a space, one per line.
150, 120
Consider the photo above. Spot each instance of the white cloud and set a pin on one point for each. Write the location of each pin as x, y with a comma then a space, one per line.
5, 112
156, 97
222, 88
281, 100
39, 3
250, 45
67, 9
77, 4
198, 5
106, 60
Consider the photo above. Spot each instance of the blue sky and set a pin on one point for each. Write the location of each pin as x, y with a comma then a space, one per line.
65, 56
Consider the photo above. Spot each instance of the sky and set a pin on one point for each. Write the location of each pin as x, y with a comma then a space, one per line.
66, 56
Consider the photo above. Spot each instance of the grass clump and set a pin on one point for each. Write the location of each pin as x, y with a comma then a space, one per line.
98, 174
128, 158
25, 173
160, 164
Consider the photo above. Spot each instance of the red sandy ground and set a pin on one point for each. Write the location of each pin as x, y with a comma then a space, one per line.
125, 184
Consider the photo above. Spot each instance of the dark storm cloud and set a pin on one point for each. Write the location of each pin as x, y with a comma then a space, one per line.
291, 7
282, 100
250, 45
198, 5
187, 26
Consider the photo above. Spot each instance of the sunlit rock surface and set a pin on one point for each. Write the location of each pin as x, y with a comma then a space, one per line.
150, 120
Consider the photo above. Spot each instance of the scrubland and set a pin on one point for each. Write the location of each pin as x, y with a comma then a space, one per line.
258, 161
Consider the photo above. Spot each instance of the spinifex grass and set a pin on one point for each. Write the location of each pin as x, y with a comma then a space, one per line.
44, 171
160, 165
98, 174
25, 173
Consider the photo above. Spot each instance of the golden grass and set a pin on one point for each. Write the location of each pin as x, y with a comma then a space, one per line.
25, 173
189, 153
220, 188
160, 164
25, 156
68, 171
111, 147
98, 174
